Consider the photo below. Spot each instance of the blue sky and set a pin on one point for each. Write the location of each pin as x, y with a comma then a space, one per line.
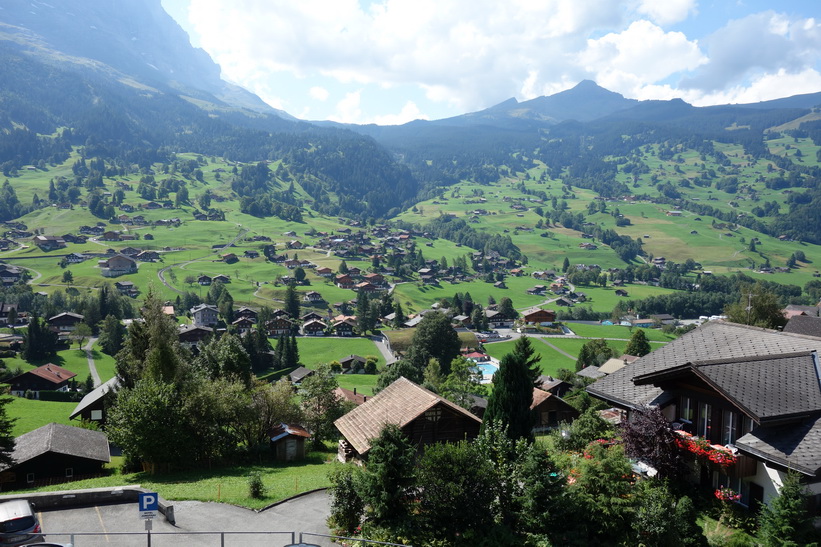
392, 61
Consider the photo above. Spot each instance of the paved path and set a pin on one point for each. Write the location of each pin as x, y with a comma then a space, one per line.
92, 368
383, 349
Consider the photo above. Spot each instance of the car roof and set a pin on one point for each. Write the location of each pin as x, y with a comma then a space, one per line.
13, 509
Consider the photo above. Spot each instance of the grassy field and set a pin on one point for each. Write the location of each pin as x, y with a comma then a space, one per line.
550, 360
315, 351
616, 331
31, 414
225, 485
400, 339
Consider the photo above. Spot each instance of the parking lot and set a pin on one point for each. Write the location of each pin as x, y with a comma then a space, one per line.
197, 524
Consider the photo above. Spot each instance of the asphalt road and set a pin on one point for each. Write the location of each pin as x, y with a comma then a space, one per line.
107, 525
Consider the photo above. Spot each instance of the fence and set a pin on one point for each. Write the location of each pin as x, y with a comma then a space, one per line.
207, 539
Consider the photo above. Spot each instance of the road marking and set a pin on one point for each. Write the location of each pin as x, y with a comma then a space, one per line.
102, 524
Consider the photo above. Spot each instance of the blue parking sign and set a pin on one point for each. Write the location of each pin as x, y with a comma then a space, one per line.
149, 503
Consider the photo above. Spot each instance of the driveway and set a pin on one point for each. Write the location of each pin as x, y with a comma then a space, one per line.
109, 523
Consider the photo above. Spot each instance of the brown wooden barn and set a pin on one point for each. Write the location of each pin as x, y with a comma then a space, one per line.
423, 416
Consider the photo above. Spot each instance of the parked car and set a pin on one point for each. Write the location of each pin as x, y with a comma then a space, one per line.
18, 523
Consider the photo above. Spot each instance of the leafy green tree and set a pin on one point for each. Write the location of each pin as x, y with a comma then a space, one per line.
401, 368
512, 396
462, 383
267, 405
786, 520
68, 277
225, 357
387, 485
456, 493
506, 308
585, 429
638, 344
112, 335
434, 337
320, 405
593, 353
758, 307
347, 507
433, 376
602, 491
299, 274
81, 334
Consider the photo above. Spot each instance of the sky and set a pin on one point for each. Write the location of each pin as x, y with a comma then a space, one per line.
392, 61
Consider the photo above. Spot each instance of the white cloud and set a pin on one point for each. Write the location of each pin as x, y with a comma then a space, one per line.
348, 109
319, 93
408, 113
667, 12
642, 54
465, 55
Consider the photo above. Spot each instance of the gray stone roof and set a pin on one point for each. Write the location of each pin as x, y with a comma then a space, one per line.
61, 439
714, 340
804, 324
768, 387
95, 395
796, 447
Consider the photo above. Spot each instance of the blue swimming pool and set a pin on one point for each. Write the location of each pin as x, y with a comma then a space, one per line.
488, 369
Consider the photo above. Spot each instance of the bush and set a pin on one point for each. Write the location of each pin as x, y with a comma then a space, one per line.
256, 489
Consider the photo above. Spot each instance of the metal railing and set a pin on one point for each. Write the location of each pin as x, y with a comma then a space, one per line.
205, 539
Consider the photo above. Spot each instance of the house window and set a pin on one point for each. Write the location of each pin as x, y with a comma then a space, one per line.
730, 433
96, 415
30, 478
433, 414
69, 472
687, 409
746, 426
704, 420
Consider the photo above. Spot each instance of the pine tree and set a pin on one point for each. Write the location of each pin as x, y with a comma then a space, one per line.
786, 521
292, 301
512, 395
523, 350
638, 344
399, 315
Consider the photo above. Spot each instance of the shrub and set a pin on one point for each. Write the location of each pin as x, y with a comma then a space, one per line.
256, 489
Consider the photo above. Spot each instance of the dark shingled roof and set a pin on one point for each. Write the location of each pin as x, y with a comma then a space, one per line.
61, 439
796, 447
768, 387
804, 324
714, 340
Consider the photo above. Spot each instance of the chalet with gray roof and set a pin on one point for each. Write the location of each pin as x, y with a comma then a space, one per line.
299, 374
55, 453
92, 407
808, 325
755, 392
205, 315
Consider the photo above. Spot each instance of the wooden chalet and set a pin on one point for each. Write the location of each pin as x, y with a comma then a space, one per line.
242, 324
538, 316
314, 327
550, 410
424, 417
192, 335
752, 394
279, 326
352, 361
65, 322
47, 377
300, 373
351, 396
53, 454
93, 406
343, 328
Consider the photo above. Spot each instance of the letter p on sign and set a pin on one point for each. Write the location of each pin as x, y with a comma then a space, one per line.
148, 505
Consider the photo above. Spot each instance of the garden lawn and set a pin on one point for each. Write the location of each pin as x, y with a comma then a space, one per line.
106, 364
314, 351
226, 485
550, 360
31, 414
615, 331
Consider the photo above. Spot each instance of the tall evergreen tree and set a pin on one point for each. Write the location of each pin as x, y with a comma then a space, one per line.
638, 344
523, 350
399, 317
512, 395
292, 301
786, 521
